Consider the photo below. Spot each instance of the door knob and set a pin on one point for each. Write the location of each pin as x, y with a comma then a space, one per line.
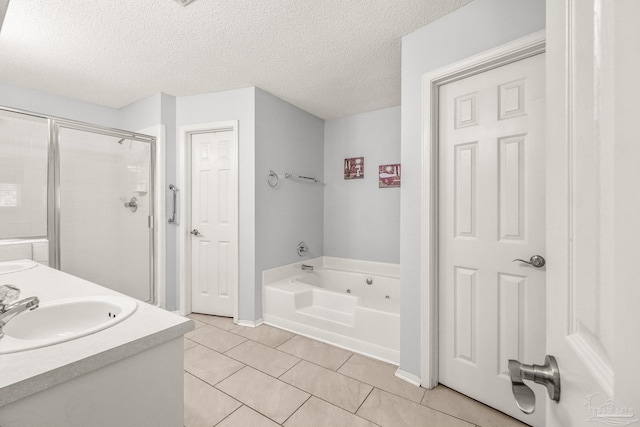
536, 261
132, 204
547, 375
195, 232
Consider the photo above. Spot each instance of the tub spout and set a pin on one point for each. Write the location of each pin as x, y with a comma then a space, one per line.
306, 267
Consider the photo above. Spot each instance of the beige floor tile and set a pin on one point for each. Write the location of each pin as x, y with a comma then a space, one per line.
263, 358
386, 409
453, 403
208, 365
264, 334
203, 404
225, 323
188, 344
265, 394
315, 351
380, 375
328, 385
246, 417
318, 413
198, 323
215, 338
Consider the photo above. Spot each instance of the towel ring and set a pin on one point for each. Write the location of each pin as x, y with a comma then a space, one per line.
272, 179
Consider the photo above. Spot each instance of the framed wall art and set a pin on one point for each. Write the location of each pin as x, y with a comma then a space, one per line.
354, 168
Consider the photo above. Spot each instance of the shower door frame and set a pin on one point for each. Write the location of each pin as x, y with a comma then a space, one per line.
53, 183
53, 190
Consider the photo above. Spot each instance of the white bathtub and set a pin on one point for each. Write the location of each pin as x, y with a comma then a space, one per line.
334, 303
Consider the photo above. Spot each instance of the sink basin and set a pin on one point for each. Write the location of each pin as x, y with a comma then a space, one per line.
62, 320
7, 267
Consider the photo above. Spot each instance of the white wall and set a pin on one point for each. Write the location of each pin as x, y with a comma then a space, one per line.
361, 220
476, 27
238, 105
288, 139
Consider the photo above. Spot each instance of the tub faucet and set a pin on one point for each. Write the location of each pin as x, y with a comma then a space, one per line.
306, 267
10, 309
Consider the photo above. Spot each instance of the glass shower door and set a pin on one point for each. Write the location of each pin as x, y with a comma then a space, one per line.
105, 209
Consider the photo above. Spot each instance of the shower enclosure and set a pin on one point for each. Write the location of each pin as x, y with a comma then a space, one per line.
88, 190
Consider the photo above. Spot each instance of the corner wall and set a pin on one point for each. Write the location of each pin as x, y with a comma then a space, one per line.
361, 220
288, 139
476, 27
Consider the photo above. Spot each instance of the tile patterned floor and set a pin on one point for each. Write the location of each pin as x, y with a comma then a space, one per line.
237, 376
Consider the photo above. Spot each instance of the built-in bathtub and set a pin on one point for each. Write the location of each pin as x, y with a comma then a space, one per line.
349, 303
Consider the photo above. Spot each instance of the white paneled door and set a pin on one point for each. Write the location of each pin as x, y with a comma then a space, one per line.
214, 227
593, 192
492, 211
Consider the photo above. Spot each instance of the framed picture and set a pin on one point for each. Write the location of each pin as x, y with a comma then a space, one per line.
354, 168
389, 176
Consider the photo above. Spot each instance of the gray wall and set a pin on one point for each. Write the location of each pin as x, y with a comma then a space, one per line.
59, 106
471, 29
238, 105
361, 220
288, 139
168, 119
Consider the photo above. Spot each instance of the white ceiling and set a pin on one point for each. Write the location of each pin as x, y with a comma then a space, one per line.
329, 57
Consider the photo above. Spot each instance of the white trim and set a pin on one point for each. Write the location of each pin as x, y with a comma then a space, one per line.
250, 323
516, 50
408, 377
184, 188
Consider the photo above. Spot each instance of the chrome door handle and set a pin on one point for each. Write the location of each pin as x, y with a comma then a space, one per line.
536, 261
195, 232
547, 375
174, 214
132, 204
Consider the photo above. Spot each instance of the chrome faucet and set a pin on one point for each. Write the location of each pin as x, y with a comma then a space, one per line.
9, 309
306, 267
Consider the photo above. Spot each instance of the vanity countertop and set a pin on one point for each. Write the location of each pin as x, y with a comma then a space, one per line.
28, 372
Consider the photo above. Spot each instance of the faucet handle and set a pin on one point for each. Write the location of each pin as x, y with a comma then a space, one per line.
8, 294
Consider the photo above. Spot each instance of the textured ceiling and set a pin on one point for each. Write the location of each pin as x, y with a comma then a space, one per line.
329, 57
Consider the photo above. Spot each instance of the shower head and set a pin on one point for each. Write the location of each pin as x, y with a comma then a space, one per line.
121, 141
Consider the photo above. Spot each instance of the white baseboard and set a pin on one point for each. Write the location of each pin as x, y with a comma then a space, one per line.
250, 323
408, 377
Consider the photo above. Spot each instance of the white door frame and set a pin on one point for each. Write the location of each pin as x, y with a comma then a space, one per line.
525, 47
184, 186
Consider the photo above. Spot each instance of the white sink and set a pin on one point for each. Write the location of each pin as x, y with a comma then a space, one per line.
62, 320
7, 267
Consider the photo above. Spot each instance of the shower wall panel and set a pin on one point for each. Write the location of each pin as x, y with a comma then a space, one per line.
23, 176
101, 240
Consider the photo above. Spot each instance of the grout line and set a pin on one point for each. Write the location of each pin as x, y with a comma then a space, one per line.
231, 413
298, 408
344, 363
294, 335
364, 400
213, 385
293, 366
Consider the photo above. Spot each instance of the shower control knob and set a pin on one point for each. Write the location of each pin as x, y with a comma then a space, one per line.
195, 232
